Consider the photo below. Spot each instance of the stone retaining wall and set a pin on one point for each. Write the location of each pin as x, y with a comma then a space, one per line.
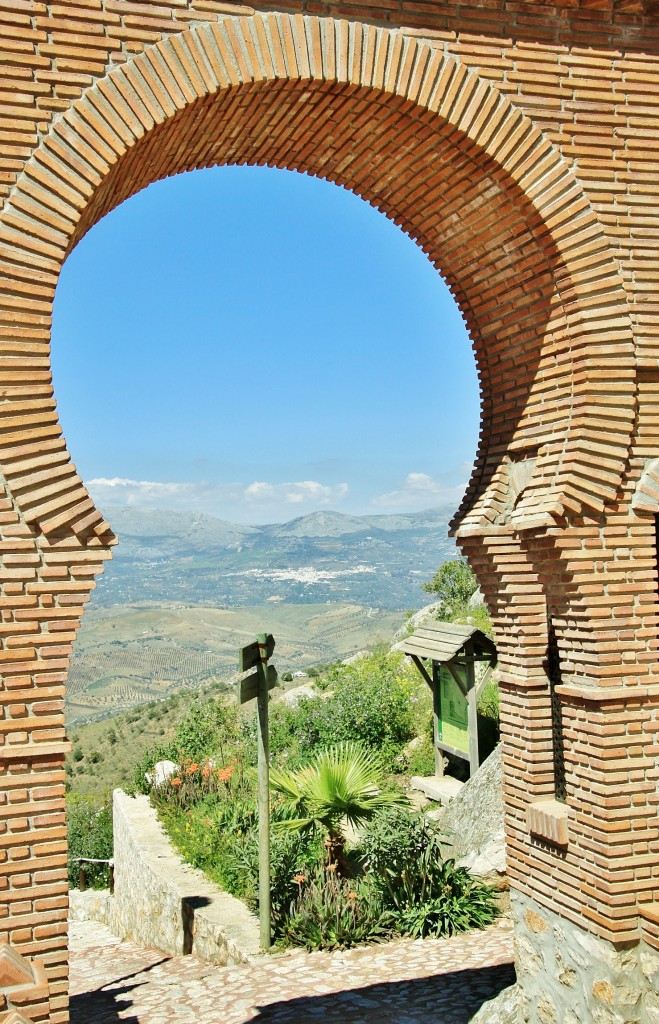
570, 976
160, 901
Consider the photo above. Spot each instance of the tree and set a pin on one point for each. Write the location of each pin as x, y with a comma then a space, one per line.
340, 785
454, 583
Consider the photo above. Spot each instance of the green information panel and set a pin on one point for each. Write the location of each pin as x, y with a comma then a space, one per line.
453, 728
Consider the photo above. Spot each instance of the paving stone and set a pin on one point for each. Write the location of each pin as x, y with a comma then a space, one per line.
402, 982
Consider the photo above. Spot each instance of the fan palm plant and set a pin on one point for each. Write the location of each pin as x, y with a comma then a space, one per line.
341, 786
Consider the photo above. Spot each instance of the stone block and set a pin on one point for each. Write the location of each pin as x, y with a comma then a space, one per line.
441, 789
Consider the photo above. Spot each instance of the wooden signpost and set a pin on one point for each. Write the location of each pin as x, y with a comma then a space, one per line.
258, 684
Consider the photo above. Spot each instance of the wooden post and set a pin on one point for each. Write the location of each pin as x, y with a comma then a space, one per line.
436, 715
82, 877
255, 656
263, 791
472, 712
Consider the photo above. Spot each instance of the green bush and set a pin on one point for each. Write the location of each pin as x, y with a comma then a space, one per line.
331, 912
453, 583
421, 760
89, 826
427, 895
372, 701
208, 728
488, 702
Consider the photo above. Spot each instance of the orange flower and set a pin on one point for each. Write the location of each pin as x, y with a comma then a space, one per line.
205, 772
175, 782
224, 774
193, 768
299, 878
352, 895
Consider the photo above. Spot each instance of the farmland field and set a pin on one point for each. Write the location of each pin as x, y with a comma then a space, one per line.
134, 654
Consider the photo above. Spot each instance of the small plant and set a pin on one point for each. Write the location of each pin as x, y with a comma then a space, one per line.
331, 912
488, 702
421, 760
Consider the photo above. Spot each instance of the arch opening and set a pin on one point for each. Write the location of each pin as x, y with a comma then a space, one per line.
214, 280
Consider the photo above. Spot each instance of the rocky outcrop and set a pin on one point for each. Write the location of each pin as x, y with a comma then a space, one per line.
429, 611
503, 1009
473, 823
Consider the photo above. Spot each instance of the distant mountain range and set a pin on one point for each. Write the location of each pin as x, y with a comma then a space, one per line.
194, 558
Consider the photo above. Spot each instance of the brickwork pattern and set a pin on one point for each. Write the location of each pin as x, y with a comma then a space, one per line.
516, 142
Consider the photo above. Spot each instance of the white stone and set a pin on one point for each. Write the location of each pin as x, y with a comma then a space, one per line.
489, 860
162, 770
503, 1009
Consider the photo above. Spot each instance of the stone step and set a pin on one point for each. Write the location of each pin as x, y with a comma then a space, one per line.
441, 789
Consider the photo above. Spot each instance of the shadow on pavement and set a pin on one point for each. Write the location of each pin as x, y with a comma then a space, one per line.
443, 999
102, 1006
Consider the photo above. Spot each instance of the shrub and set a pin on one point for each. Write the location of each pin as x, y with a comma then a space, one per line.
427, 894
421, 760
292, 857
208, 728
462, 903
453, 583
341, 785
371, 701
331, 912
89, 824
488, 702
77, 754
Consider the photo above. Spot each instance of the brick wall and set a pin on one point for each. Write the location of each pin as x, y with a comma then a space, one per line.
516, 142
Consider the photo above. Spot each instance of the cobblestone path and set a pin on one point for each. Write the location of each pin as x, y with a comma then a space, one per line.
404, 982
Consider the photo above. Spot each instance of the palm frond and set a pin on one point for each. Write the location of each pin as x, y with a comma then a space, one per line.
341, 783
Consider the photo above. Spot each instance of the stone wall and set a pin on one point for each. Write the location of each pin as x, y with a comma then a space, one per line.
567, 975
161, 902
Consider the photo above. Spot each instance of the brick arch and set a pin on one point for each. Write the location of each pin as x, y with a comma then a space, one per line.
435, 147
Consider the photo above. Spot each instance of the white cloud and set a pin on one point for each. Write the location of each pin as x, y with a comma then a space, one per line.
258, 501
419, 491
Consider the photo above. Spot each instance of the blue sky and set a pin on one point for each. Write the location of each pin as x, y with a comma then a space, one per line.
258, 344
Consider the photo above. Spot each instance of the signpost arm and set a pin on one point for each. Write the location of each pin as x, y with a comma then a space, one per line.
263, 793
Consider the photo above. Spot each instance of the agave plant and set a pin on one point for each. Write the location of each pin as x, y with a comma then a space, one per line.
341, 785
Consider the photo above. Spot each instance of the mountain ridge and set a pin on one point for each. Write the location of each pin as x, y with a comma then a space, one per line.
325, 556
